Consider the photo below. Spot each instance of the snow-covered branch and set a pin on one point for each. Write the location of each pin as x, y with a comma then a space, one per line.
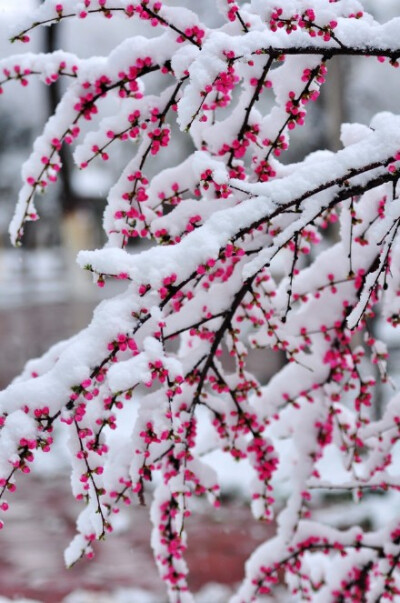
240, 260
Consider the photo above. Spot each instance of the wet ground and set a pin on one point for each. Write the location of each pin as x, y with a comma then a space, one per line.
28, 331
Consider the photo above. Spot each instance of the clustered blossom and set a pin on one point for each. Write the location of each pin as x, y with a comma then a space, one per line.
238, 264
281, 19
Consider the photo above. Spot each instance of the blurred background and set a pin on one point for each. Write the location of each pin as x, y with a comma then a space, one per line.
44, 297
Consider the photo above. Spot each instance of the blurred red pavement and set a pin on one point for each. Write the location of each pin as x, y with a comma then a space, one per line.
40, 524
